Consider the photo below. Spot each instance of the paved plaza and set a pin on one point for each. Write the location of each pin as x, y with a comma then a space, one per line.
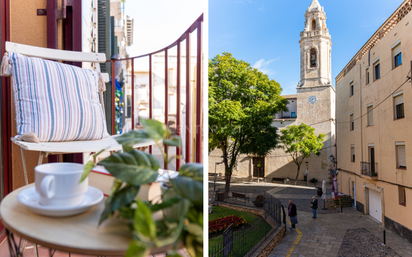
332, 234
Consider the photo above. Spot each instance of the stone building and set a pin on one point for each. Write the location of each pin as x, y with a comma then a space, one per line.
373, 124
313, 105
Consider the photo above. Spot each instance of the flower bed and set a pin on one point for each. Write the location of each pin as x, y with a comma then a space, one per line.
218, 225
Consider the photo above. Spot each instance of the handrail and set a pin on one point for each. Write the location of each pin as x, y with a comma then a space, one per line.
197, 25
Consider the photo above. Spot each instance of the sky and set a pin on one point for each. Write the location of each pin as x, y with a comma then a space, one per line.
158, 23
266, 33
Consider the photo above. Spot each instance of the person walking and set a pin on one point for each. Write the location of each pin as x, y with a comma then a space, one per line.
314, 206
293, 215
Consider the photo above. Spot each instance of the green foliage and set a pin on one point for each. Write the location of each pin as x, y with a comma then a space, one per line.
132, 169
300, 142
242, 104
260, 198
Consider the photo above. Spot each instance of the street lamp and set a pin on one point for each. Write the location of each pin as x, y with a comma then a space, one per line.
214, 181
307, 173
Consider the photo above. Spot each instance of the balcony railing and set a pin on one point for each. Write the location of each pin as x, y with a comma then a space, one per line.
369, 169
188, 122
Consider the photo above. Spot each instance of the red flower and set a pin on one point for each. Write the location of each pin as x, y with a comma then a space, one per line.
218, 225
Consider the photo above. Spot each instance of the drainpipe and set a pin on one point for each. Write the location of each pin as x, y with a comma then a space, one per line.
360, 109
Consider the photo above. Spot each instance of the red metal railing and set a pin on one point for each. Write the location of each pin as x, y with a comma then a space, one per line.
186, 36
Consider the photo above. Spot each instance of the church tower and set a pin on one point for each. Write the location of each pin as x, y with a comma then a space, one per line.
315, 94
315, 49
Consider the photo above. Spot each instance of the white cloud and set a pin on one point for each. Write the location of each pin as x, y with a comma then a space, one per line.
264, 66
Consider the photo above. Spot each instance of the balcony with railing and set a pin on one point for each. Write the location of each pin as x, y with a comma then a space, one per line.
369, 169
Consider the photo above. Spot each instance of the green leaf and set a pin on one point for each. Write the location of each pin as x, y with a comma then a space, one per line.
143, 223
165, 204
106, 212
137, 249
124, 197
173, 254
189, 188
155, 130
87, 168
192, 170
131, 174
173, 141
133, 137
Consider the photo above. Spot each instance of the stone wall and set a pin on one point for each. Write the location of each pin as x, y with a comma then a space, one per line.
272, 242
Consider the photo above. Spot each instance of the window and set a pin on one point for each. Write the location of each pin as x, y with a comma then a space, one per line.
313, 24
293, 114
367, 76
397, 55
313, 58
352, 123
351, 89
402, 195
399, 109
370, 115
352, 153
377, 71
401, 155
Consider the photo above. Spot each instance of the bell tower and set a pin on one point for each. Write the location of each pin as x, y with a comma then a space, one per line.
315, 49
315, 93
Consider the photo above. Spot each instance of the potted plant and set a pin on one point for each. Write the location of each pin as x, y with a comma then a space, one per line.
132, 169
259, 201
314, 180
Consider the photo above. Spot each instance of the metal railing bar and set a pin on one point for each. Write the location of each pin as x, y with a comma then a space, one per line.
199, 94
178, 100
180, 39
150, 93
113, 97
188, 94
166, 100
132, 97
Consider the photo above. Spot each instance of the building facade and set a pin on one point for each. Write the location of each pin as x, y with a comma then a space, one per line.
373, 125
313, 105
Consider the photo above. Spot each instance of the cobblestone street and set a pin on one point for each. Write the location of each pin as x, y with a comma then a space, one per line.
333, 233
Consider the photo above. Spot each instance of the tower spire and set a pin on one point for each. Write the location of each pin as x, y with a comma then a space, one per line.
314, 6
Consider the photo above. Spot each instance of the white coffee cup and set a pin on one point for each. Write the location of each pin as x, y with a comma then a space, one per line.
58, 184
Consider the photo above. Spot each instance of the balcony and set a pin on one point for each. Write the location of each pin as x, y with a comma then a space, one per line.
369, 169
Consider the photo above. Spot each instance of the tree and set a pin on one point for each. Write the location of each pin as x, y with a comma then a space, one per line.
242, 104
300, 142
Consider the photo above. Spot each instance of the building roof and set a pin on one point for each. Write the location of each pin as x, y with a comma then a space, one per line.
314, 6
290, 96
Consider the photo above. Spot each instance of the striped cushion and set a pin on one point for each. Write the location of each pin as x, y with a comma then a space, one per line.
58, 102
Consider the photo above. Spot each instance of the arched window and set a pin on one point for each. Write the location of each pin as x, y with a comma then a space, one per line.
313, 58
313, 24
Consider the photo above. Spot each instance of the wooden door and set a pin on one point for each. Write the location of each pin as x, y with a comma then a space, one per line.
259, 167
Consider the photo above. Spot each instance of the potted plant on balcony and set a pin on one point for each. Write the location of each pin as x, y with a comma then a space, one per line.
132, 169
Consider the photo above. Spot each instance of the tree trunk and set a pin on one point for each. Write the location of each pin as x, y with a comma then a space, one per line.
228, 174
297, 175
227, 184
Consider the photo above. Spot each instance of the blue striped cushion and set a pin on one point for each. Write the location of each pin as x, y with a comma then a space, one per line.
58, 102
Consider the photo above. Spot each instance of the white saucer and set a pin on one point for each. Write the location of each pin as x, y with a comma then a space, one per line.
30, 198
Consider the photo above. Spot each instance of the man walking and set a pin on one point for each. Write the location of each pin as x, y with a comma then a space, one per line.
314, 206
293, 215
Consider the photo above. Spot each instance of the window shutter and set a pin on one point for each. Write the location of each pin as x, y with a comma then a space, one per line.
103, 14
396, 50
399, 99
401, 156
370, 110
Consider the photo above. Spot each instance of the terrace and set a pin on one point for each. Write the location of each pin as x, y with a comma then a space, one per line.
173, 98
